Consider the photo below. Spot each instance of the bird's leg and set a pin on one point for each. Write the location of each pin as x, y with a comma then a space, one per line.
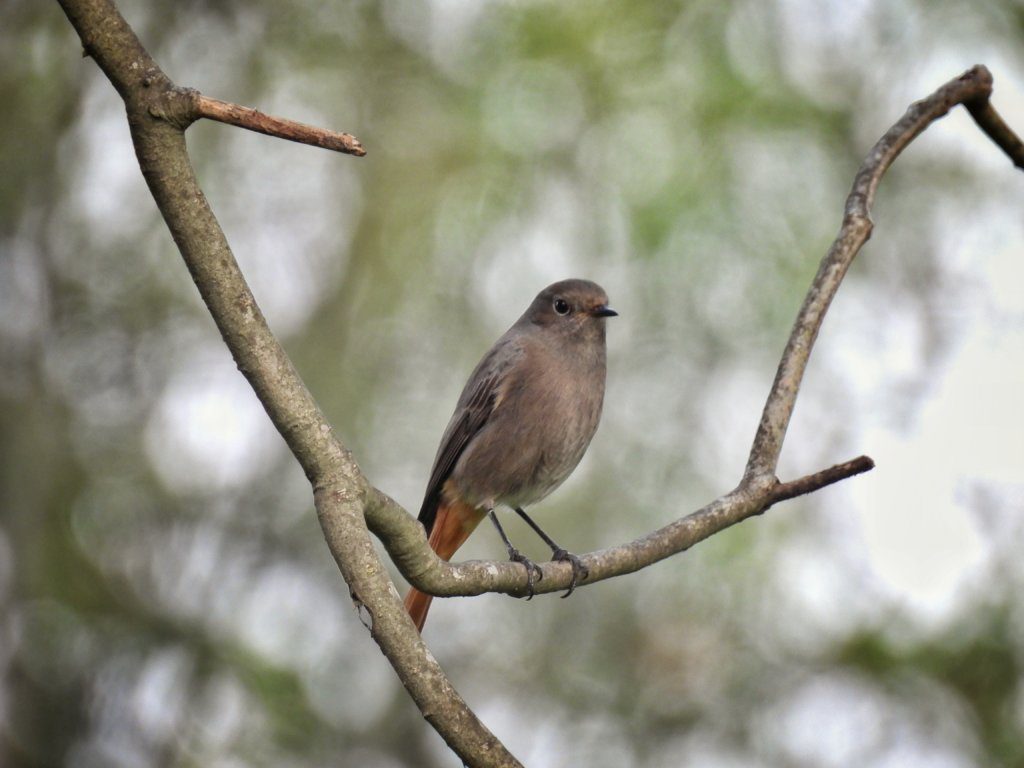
579, 570
517, 557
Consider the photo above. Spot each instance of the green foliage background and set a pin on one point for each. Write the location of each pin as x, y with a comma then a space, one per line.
165, 594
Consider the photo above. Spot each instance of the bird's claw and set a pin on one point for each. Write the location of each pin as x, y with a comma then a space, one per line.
531, 568
579, 570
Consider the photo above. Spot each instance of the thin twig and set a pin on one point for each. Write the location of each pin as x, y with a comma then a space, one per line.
817, 481
992, 124
281, 127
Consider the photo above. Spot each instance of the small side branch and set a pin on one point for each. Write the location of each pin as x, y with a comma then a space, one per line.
817, 481
282, 128
995, 128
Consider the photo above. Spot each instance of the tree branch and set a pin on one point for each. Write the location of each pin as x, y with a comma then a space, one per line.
973, 88
282, 128
158, 113
759, 488
817, 481
992, 124
404, 539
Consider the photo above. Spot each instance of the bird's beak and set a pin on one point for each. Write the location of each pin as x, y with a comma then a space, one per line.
603, 310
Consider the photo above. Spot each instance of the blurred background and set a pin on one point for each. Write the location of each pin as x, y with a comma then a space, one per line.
166, 597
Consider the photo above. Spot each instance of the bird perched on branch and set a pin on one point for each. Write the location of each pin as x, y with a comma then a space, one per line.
521, 425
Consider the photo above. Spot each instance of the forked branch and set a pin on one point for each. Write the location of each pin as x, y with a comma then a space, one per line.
759, 489
159, 112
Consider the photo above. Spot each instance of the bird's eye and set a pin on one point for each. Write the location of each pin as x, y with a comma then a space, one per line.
561, 306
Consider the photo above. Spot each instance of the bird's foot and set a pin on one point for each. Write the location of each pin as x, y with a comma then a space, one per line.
579, 570
532, 569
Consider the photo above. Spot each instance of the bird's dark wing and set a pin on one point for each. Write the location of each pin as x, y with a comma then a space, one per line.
483, 391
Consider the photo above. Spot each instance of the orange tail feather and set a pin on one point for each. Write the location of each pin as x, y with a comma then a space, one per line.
417, 604
452, 526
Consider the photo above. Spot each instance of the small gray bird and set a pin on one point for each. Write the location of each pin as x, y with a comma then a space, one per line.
522, 424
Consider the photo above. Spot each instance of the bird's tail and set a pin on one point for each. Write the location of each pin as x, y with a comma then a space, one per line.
453, 523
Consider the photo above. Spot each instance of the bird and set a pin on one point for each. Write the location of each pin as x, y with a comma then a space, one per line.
521, 425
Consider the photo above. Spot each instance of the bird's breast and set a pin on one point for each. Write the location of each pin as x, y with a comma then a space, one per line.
537, 434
